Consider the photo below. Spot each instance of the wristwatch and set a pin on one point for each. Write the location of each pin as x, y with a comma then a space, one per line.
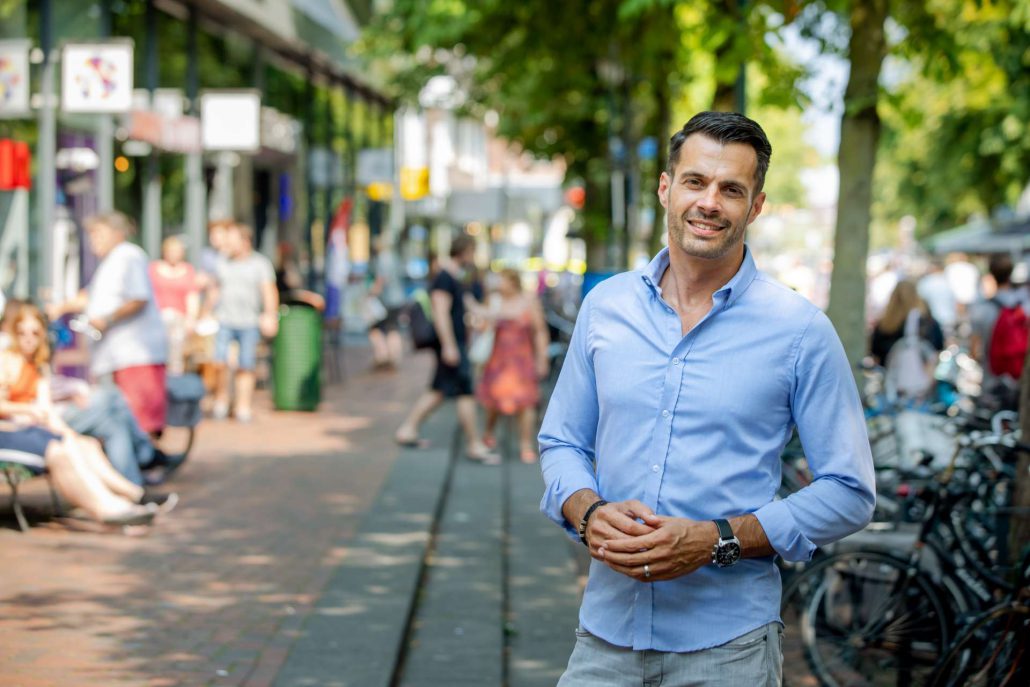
726, 551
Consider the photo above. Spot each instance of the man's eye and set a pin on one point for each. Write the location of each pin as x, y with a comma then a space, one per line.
693, 182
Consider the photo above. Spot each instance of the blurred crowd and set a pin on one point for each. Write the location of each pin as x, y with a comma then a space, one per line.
89, 388
974, 309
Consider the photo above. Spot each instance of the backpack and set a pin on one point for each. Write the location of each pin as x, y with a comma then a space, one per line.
1009, 340
909, 365
420, 320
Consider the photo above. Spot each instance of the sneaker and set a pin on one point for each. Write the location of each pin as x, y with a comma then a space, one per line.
244, 416
220, 411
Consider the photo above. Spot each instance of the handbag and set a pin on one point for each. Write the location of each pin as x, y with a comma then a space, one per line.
420, 322
482, 347
374, 310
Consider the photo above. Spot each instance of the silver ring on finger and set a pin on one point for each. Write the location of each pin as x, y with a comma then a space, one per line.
647, 571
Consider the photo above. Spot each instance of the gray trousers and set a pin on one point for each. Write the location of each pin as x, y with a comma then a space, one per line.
754, 659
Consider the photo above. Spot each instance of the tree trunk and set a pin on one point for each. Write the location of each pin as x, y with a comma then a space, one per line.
859, 135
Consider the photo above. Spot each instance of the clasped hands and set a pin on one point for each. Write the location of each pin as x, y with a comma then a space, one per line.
627, 535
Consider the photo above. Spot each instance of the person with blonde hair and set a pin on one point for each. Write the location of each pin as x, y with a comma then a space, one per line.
177, 292
31, 425
510, 381
891, 328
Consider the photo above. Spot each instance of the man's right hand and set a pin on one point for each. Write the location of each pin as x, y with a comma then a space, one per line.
450, 355
616, 521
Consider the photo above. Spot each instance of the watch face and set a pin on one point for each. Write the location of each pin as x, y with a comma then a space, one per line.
727, 553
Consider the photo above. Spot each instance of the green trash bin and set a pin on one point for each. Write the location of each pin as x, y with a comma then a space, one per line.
297, 359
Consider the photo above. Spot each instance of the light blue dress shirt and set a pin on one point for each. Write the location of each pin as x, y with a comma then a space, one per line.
693, 426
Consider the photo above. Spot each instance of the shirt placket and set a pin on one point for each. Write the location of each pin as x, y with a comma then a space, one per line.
658, 454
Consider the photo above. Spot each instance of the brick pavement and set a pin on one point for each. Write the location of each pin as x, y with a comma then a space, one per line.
217, 592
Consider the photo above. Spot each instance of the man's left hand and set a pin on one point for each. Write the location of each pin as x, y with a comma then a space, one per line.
100, 324
677, 547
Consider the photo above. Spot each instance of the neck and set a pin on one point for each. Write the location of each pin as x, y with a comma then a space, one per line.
690, 280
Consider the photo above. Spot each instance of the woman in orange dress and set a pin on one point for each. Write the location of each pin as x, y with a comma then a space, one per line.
510, 384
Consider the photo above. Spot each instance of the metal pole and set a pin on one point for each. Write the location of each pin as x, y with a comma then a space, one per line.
195, 192
105, 133
327, 193
397, 218
46, 180
151, 173
348, 138
309, 142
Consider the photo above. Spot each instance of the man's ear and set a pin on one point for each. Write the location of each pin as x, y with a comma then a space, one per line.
664, 182
756, 207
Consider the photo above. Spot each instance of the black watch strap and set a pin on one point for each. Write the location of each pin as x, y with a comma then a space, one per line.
586, 519
725, 531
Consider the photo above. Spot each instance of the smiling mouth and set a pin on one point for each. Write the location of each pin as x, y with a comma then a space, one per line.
703, 228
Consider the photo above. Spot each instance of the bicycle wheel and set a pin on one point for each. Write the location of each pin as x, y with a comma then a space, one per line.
992, 651
862, 618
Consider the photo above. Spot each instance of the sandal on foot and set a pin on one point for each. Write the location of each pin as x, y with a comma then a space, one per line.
412, 443
486, 458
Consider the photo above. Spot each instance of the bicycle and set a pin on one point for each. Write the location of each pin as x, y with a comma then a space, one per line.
867, 617
993, 649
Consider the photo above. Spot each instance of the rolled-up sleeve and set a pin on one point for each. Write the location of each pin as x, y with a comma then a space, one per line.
828, 413
569, 428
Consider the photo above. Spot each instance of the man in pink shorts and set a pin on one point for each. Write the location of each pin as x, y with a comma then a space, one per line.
131, 350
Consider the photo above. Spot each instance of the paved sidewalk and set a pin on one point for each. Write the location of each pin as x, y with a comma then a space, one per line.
307, 549
217, 592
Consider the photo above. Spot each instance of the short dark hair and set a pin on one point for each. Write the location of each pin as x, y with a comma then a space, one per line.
461, 244
1000, 267
725, 127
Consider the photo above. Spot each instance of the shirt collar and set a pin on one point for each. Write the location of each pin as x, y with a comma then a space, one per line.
732, 290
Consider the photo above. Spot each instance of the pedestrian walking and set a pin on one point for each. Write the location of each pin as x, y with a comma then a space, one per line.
999, 335
890, 328
177, 293
510, 382
246, 305
453, 375
129, 347
661, 445
388, 290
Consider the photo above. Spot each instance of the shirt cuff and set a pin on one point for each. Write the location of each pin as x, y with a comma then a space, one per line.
782, 532
559, 489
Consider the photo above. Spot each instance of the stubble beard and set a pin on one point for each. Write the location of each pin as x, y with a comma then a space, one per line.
709, 249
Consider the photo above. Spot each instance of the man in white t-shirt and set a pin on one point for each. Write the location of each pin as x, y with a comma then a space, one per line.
131, 350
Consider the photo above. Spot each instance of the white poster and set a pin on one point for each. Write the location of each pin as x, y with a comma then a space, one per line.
231, 120
97, 77
14, 78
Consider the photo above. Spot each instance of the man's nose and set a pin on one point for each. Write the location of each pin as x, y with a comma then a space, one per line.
709, 200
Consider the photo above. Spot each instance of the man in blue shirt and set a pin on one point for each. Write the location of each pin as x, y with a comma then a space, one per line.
661, 444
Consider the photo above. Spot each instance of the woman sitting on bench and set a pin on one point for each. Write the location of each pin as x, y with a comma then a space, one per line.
32, 430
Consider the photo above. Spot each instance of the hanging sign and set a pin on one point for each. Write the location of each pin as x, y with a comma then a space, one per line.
14, 79
231, 120
97, 77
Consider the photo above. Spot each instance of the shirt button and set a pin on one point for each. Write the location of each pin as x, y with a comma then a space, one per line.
654, 468
665, 413
675, 361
